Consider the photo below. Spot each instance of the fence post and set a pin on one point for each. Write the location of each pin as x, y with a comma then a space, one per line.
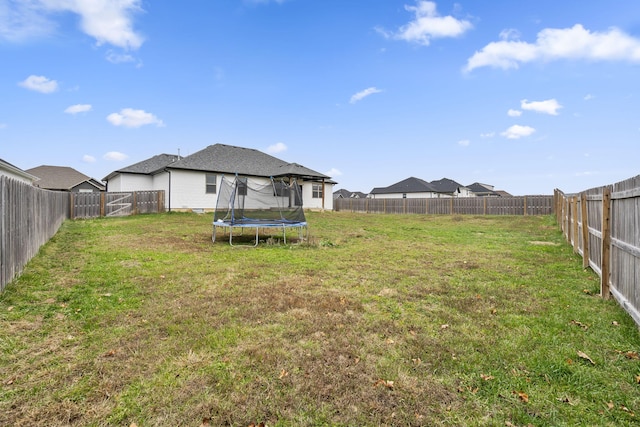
606, 242
102, 203
585, 230
72, 211
525, 205
574, 209
451, 206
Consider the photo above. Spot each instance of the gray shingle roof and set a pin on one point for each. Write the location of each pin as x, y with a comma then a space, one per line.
148, 167
481, 190
446, 185
61, 178
409, 185
225, 159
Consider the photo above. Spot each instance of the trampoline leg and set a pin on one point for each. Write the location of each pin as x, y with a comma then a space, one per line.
213, 237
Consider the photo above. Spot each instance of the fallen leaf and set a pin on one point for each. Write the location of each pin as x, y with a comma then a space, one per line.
110, 353
486, 377
582, 325
283, 374
417, 361
614, 323
10, 308
522, 396
584, 356
569, 361
638, 379
444, 326
390, 341
494, 311
610, 405
387, 383
206, 422
632, 355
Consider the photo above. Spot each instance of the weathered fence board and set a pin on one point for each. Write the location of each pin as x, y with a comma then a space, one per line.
523, 205
29, 217
608, 218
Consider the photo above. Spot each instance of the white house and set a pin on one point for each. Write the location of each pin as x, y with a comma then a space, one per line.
416, 188
191, 182
14, 172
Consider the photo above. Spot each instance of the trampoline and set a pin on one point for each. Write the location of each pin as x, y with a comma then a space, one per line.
259, 204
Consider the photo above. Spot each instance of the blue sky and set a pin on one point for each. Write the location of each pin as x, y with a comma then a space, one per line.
525, 95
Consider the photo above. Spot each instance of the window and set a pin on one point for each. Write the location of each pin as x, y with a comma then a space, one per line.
316, 191
210, 184
241, 187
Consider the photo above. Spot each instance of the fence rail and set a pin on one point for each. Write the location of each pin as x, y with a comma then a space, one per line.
521, 205
603, 225
30, 216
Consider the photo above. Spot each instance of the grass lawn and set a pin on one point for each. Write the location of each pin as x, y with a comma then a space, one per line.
376, 320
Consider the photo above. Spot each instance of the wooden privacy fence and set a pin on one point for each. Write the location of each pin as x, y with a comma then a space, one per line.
521, 205
603, 225
29, 217
93, 205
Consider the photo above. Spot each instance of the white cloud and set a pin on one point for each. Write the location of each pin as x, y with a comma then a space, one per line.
88, 159
333, 172
487, 135
107, 21
588, 97
78, 108
119, 58
115, 156
514, 113
39, 84
363, 94
550, 106
276, 148
130, 118
427, 25
509, 34
553, 44
517, 132
21, 21
464, 143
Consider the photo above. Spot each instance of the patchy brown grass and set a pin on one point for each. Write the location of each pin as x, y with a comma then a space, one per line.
377, 320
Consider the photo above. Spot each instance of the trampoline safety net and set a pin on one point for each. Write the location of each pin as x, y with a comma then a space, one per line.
249, 201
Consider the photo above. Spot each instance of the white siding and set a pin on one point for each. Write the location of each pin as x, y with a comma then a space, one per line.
130, 182
188, 191
310, 202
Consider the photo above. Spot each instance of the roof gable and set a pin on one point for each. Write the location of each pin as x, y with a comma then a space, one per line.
409, 185
61, 178
223, 159
230, 159
446, 185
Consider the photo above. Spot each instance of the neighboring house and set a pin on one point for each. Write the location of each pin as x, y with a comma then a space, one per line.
346, 194
63, 178
449, 188
14, 172
191, 182
416, 188
483, 190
